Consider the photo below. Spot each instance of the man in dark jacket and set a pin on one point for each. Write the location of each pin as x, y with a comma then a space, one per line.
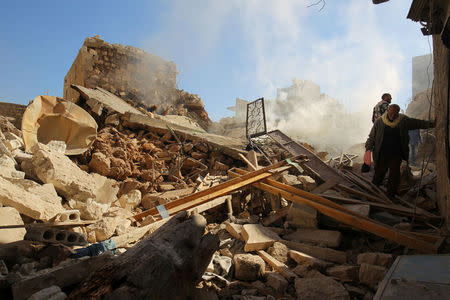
389, 140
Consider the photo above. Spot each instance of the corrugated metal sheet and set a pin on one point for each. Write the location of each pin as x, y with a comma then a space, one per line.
419, 10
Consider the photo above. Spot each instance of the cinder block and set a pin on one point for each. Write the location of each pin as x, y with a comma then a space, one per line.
51, 235
68, 216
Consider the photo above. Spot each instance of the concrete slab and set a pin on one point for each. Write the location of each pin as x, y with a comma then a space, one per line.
328, 238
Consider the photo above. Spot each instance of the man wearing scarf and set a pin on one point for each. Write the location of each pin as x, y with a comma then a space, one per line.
389, 142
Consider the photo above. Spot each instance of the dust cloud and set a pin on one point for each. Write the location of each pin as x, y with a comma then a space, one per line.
306, 115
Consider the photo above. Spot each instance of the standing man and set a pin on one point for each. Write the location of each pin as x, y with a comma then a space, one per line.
389, 140
381, 106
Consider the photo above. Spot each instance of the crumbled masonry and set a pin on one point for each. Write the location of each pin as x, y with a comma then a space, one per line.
160, 207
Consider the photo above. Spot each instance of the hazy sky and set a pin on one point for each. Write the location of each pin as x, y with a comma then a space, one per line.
353, 49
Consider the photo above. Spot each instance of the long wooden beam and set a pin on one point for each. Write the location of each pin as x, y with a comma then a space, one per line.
215, 191
394, 208
344, 215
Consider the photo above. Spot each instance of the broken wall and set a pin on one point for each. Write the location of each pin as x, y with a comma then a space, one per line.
13, 112
124, 70
143, 79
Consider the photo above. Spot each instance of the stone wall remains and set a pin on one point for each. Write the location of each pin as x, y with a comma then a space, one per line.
124, 70
13, 112
143, 79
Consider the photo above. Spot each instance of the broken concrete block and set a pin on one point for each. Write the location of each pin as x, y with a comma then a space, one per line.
248, 267
279, 251
113, 120
13, 193
306, 271
106, 227
344, 273
371, 274
46, 192
257, 237
8, 169
362, 209
276, 281
235, 230
58, 146
302, 216
89, 210
166, 187
131, 199
308, 183
10, 216
69, 180
7, 162
320, 288
375, 258
150, 200
328, 238
307, 260
100, 164
4, 150
51, 293
12, 141
27, 167
290, 179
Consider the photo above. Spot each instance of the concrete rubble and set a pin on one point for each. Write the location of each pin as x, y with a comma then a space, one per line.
144, 159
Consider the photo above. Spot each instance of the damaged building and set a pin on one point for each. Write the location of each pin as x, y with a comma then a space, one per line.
125, 188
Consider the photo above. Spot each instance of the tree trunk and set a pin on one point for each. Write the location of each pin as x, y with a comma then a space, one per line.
165, 265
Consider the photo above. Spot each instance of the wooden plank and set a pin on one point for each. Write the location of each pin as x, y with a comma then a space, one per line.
253, 158
327, 254
394, 208
277, 265
211, 204
249, 164
213, 192
358, 193
374, 187
344, 215
294, 190
330, 183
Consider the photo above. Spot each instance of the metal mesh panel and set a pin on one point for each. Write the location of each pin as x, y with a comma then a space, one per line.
256, 119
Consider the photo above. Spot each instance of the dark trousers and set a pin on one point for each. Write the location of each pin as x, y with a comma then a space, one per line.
392, 163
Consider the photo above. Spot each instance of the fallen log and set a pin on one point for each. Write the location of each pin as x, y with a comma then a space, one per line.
165, 265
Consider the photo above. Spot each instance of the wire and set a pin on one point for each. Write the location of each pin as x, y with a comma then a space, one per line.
317, 3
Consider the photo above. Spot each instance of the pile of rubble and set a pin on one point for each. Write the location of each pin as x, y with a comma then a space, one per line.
113, 195
153, 206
